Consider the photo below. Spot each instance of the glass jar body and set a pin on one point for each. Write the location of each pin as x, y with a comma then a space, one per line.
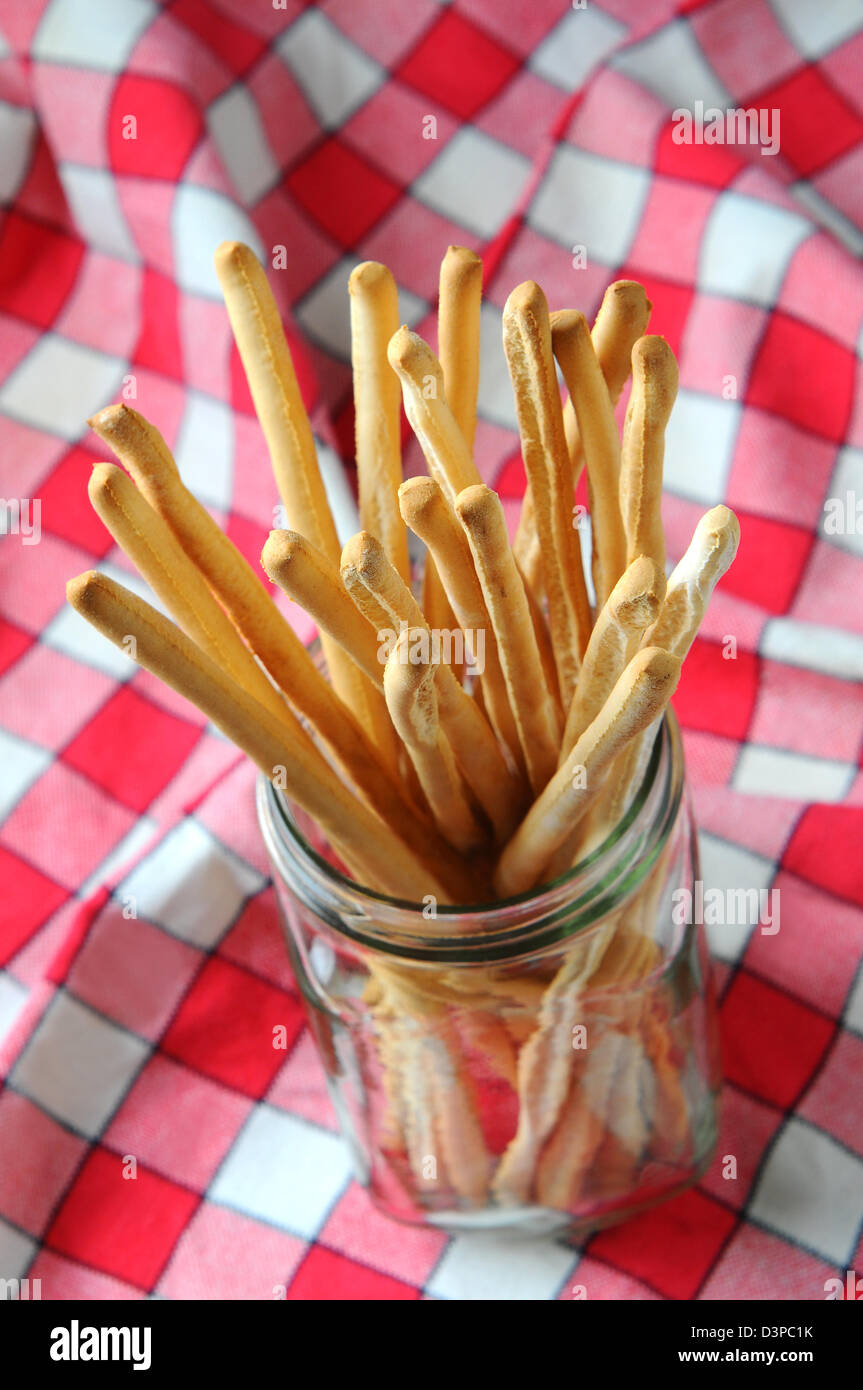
548, 1063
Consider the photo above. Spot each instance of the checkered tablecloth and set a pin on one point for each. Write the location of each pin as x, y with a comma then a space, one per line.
143, 970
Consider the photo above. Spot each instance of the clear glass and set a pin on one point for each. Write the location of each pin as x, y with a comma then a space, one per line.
548, 1062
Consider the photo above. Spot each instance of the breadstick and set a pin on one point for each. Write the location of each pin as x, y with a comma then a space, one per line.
429, 515
266, 357
622, 319
159, 558
632, 605
143, 451
367, 845
382, 597
526, 547
600, 445
710, 553
377, 409
481, 514
637, 699
409, 687
442, 442
458, 335
527, 343
307, 576
654, 388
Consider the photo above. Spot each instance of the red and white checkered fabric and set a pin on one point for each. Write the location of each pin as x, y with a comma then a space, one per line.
307, 127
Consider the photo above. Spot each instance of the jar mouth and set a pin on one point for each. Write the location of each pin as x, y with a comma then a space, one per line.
397, 926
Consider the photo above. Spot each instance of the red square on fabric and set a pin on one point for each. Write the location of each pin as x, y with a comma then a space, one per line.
37, 1160
65, 825
38, 266
132, 749
167, 127
124, 1226
231, 42
771, 1043
224, 1028
177, 1122
459, 65
714, 165
827, 849
769, 562
66, 509
804, 375
380, 127
28, 897
669, 233
671, 1248
13, 644
816, 125
49, 696
813, 925
158, 344
342, 192
324, 1275
759, 1265
714, 693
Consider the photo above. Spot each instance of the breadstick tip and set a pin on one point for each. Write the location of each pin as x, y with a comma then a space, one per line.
630, 298
460, 264
478, 506
526, 298
233, 255
566, 322
416, 495
364, 555
655, 366
408, 352
369, 275
82, 590
638, 594
656, 668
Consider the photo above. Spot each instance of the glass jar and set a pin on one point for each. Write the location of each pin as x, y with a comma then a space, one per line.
547, 1062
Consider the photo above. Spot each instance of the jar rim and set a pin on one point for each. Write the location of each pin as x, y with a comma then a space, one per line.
456, 932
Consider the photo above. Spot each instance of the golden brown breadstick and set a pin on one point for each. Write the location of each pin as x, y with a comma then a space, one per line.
160, 559
143, 451
409, 687
481, 514
637, 699
377, 409
386, 601
622, 319
631, 606
442, 442
654, 388
369, 847
710, 552
526, 547
600, 445
429, 515
458, 335
306, 575
266, 357
527, 343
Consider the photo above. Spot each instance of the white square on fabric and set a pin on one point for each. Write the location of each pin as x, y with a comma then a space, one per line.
22, 762
191, 885
588, 201
92, 33
475, 181
77, 1065
236, 129
200, 220
495, 399
815, 646
205, 449
17, 131
815, 29
491, 1266
92, 195
843, 507
59, 384
16, 1252
728, 866
747, 247
575, 46
335, 76
672, 65
794, 776
284, 1171
699, 446
811, 1191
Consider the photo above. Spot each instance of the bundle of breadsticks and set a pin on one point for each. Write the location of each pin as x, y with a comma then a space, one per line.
471, 738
